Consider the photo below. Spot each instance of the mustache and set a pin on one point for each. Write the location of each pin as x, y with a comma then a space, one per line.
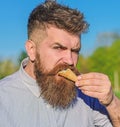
61, 67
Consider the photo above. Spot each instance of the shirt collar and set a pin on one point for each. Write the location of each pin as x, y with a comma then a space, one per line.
28, 80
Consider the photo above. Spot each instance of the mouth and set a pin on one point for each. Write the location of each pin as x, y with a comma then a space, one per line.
55, 72
68, 74
61, 70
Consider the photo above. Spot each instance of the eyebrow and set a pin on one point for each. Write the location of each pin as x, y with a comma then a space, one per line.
64, 47
60, 45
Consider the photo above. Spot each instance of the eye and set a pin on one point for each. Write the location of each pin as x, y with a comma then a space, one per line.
76, 51
59, 47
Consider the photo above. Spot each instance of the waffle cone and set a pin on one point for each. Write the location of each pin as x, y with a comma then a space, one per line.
69, 74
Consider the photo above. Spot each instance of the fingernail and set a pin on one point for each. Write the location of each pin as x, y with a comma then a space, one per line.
79, 77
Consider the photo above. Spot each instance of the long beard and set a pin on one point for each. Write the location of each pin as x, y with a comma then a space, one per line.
58, 92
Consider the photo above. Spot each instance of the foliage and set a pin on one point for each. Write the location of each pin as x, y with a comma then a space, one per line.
7, 67
117, 94
82, 64
106, 60
22, 55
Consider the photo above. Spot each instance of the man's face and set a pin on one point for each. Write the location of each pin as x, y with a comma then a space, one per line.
58, 47
57, 52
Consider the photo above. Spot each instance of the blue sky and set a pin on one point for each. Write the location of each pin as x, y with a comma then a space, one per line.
102, 15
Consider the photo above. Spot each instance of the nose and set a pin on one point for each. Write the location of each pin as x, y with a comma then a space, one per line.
68, 58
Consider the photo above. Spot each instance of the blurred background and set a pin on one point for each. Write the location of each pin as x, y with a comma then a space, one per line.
100, 50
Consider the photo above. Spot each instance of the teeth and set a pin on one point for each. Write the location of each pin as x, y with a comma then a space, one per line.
69, 74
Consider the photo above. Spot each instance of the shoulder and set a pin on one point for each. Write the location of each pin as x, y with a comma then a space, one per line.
9, 82
10, 89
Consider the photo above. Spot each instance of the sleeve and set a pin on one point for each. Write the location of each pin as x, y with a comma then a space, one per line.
100, 114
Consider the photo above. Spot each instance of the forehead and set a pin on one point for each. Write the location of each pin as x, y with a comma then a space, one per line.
58, 35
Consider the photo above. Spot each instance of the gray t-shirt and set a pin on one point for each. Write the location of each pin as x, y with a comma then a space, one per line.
22, 106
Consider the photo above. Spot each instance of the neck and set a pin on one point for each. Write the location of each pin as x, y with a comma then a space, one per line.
29, 68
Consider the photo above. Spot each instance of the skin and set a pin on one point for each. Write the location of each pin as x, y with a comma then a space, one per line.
63, 48
60, 46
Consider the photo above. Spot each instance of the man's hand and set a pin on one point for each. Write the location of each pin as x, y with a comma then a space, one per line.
96, 85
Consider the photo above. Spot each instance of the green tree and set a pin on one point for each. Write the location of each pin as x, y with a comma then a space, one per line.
7, 67
106, 59
22, 55
82, 64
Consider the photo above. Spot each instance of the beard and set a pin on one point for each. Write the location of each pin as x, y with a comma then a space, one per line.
57, 91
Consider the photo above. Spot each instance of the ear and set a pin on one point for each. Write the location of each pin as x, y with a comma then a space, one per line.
31, 49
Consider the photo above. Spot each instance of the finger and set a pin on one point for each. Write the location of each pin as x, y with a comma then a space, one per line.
93, 75
92, 94
92, 85
100, 96
92, 82
99, 89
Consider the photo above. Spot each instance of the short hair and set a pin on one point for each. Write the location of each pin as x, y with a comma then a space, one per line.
60, 16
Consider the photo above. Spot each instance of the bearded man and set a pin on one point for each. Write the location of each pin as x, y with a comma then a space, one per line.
36, 96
